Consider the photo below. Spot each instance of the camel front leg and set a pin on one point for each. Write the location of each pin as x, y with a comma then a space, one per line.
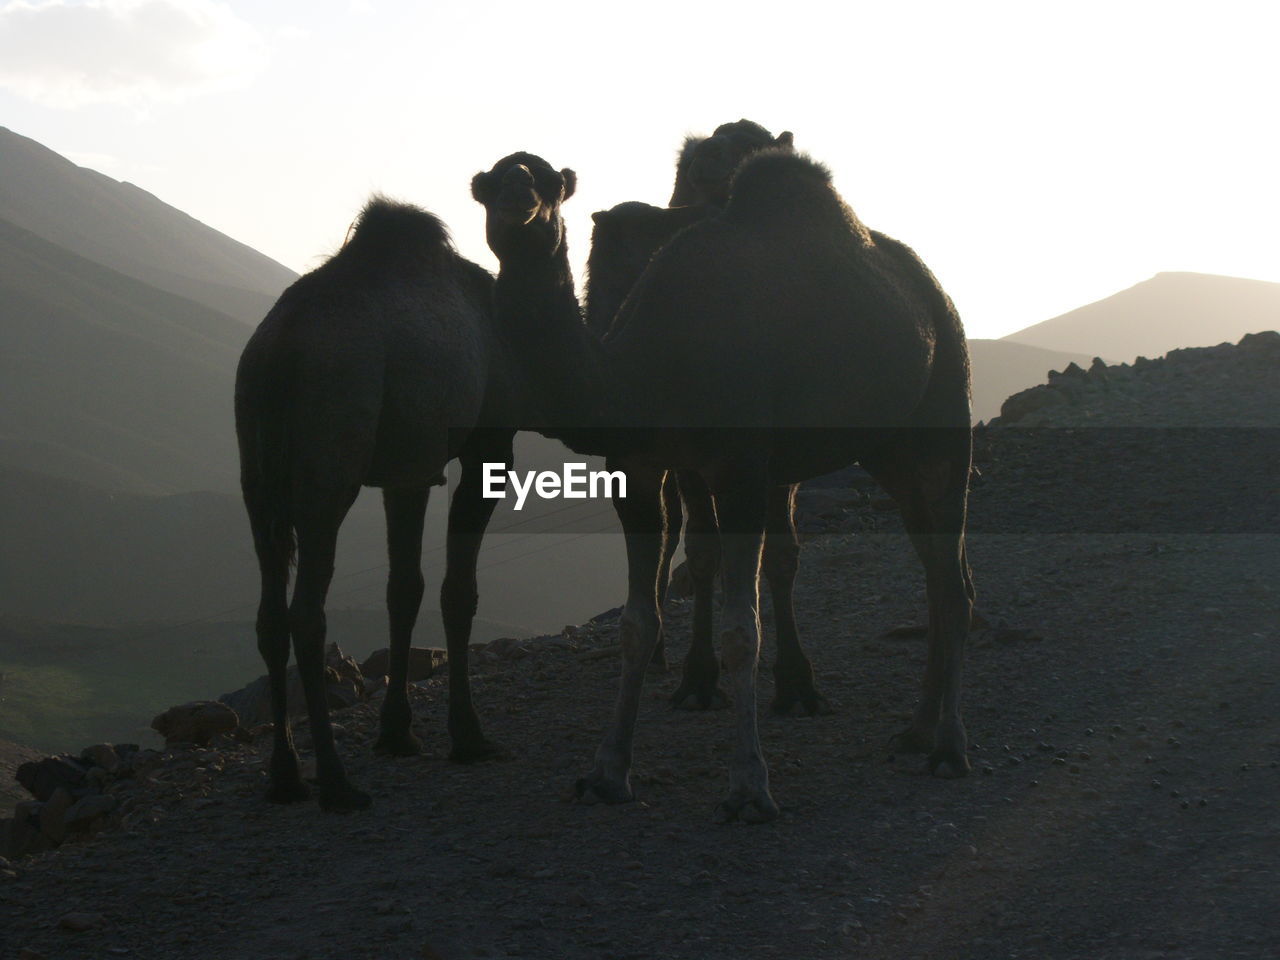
794, 683
741, 510
641, 515
469, 515
699, 681
405, 510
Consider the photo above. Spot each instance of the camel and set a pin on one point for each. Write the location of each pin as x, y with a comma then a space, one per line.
375, 369
624, 240
769, 343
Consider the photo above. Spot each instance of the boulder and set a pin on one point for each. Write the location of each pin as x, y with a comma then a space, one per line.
102, 755
344, 687
53, 815
197, 722
423, 662
87, 814
42, 777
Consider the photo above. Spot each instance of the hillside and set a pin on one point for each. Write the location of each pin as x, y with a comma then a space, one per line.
1168, 311
131, 231
108, 380
1123, 712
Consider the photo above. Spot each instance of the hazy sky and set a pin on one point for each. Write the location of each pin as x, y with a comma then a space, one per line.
1038, 156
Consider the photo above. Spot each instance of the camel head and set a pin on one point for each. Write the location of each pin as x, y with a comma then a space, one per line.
706, 165
522, 195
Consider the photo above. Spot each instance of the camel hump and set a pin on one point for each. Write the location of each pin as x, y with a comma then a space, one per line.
778, 179
391, 231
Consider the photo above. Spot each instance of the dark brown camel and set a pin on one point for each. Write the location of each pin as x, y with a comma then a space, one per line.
773, 342
623, 242
375, 369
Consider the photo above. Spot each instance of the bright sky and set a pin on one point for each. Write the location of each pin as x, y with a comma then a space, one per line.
1038, 156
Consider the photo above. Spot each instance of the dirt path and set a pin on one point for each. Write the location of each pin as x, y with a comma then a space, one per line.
1126, 750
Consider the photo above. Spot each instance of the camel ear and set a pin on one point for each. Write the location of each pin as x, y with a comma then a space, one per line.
482, 186
599, 216
570, 183
783, 140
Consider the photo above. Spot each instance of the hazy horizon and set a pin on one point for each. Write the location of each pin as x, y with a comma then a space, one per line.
1037, 160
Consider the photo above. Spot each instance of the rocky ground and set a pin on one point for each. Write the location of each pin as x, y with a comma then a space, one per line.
1123, 710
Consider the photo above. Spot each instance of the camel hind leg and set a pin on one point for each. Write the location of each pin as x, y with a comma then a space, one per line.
931, 486
640, 513
317, 531
286, 784
794, 683
405, 510
742, 510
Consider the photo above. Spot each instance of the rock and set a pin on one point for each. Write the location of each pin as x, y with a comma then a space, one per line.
84, 816
25, 836
102, 755
80, 922
53, 815
344, 687
1267, 341
197, 722
1028, 401
423, 663
505, 648
42, 777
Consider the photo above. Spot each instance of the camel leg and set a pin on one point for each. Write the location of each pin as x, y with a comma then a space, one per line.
642, 522
404, 510
675, 520
469, 514
792, 673
933, 493
317, 543
698, 685
742, 512
273, 643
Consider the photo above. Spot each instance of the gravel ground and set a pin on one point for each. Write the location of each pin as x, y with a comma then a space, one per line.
1123, 711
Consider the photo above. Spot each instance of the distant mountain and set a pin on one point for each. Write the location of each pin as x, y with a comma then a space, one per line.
123, 227
1169, 311
107, 380
1002, 368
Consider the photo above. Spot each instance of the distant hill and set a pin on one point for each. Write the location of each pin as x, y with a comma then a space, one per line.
123, 227
1002, 368
108, 380
1169, 311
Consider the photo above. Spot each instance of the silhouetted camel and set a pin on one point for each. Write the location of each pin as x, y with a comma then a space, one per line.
375, 369
773, 342
623, 242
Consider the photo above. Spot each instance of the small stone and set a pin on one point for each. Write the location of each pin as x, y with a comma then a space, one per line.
197, 722
80, 922
101, 755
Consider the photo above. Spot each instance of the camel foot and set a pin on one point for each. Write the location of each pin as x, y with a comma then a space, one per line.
288, 791
476, 750
949, 757
749, 807
342, 797
948, 765
597, 789
794, 703
912, 740
698, 695
399, 743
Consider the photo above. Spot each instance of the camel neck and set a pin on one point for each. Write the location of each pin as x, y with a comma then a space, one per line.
561, 360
